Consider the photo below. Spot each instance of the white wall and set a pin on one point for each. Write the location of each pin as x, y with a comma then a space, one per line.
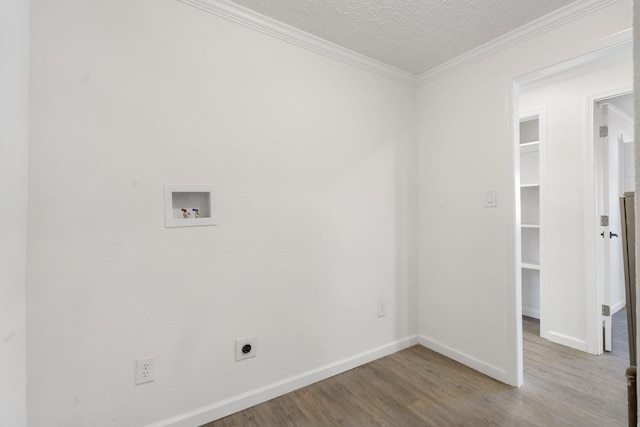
14, 70
466, 252
564, 204
313, 162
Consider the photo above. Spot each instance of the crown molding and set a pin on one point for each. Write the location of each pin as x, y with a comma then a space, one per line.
256, 21
244, 16
609, 50
528, 31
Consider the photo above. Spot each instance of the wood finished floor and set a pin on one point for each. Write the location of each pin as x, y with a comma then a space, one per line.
418, 387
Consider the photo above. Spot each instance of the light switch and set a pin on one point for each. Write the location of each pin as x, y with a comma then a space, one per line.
490, 199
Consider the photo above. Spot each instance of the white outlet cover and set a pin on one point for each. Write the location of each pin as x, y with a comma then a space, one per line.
241, 342
145, 370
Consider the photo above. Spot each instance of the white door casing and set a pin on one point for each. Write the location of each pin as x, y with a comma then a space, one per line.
603, 170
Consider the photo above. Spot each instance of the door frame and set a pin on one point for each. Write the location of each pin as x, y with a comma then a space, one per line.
595, 297
602, 51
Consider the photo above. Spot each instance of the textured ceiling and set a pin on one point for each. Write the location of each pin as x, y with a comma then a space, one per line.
412, 35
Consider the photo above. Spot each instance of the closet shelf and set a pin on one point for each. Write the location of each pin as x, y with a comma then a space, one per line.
530, 230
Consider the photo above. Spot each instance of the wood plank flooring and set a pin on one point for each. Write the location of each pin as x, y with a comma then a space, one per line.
418, 387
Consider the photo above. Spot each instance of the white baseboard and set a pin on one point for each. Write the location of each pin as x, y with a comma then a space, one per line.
254, 397
470, 361
530, 312
566, 340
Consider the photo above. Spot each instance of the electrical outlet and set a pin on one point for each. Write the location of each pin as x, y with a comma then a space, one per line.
246, 348
145, 370
382, 308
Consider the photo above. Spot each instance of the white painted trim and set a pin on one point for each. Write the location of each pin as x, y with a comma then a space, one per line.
528, 31
619, 55
593, 294
254, 397
580, 61
256, 21
513, 294
567, 340
470, 361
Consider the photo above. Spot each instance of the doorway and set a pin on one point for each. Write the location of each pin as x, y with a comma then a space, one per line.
613, 139
569, 297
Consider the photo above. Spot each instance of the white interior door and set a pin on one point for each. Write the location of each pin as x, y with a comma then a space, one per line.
620, 122
611, 187
604, 207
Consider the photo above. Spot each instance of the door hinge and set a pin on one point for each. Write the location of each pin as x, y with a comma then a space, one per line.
606, 310
604, 220
604, 131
